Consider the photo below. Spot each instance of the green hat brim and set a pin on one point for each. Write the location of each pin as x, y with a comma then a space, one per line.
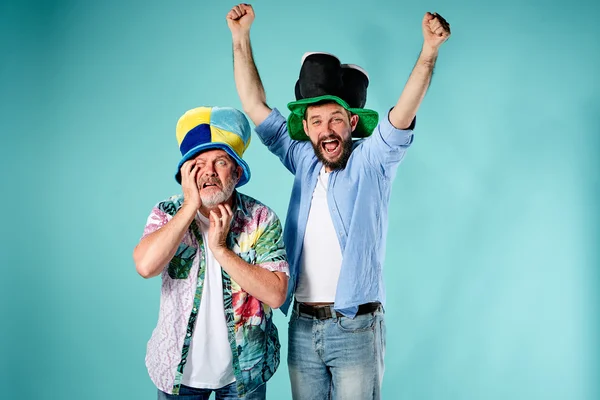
367, 119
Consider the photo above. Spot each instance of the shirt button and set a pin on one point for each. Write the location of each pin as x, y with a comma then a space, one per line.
194, 309
189, 334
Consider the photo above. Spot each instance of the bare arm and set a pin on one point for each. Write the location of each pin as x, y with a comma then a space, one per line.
247, 80
270, 287
155, 251
435, 31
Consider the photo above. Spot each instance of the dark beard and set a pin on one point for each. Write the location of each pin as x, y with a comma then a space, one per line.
341, 161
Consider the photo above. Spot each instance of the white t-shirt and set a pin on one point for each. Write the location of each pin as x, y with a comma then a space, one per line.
321, 253
210, 362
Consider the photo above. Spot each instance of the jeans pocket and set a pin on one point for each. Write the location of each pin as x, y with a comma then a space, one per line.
181, 263
360, 323
382, 333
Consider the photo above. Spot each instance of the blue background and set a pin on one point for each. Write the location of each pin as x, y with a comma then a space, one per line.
492, 259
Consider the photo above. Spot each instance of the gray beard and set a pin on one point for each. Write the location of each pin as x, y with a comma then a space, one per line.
214, 199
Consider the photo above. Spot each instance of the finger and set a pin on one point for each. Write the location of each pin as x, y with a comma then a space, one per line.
185, 172
441, 31
440, 18
186, 166
224, 214
428, 17
194, 176
247, 8
446, 26
434, 24
214, 219
240, 10
191, 173
443, 23
234, 14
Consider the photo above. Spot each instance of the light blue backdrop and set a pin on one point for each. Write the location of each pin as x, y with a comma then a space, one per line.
492, 259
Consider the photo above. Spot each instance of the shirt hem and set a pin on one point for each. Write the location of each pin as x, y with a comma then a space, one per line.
197, 385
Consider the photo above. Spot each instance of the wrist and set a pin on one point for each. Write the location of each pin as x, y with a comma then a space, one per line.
240, 37
428, 53
188, 210
219, 252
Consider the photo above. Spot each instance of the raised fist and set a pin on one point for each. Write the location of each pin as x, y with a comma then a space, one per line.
436, 30
240, 18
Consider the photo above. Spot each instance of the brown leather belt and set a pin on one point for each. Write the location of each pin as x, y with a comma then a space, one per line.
327, 311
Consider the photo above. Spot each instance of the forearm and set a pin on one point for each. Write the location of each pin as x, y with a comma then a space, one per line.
158, 248
267, 286
415, 89
247, 80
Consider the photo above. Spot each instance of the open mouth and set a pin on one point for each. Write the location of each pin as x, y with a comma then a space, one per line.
206, 185
331, 146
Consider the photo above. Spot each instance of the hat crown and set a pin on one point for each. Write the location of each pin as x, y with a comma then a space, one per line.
323, 74
225, 125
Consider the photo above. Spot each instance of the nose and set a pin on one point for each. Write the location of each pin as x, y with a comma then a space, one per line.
209, 170
330, 128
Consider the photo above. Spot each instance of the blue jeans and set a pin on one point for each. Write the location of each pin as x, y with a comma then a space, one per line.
337, 358
228, 392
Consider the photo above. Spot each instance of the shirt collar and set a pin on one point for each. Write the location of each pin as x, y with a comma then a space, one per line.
240, 205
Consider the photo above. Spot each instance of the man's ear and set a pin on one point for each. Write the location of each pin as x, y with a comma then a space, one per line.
305, 125
240, 172
354, 121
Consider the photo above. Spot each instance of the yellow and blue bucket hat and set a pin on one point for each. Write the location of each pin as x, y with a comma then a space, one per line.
207, 128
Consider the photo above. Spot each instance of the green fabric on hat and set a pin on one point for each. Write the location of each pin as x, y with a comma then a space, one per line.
367, 119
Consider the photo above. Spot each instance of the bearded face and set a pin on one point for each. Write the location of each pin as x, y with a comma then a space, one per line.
329, 127
217, 177
214, 191
333, 151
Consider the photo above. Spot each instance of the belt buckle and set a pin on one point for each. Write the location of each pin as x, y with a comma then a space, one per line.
323, 312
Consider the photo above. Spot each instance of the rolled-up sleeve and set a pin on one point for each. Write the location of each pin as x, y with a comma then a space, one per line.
386, 147
273, 133
156, 220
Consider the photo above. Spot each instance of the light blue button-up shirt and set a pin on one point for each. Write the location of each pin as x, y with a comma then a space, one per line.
358, 197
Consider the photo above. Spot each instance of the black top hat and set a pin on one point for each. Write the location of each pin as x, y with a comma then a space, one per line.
324, 78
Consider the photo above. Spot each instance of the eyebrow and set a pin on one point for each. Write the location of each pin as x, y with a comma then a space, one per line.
319, 116
223, 157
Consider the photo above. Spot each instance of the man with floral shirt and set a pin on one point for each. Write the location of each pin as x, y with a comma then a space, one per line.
223, 265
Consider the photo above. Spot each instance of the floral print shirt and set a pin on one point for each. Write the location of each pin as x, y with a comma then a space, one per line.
256, 236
